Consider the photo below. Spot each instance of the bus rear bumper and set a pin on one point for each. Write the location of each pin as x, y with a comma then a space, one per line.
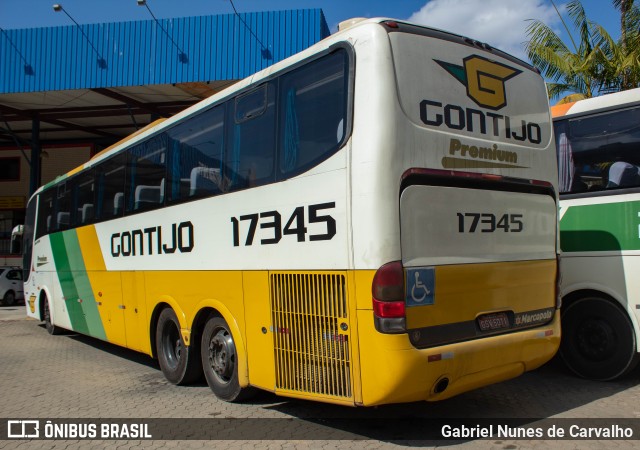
402, 373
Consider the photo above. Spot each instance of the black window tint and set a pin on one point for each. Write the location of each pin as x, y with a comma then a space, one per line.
109, 176
146, 171
62, 216
14, 275
10, 169
83, 199
196, 152
251, 148
313, 112
29, 232
45, 212
251, 104
599, 152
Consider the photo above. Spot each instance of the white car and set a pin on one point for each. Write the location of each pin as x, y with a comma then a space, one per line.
11, 285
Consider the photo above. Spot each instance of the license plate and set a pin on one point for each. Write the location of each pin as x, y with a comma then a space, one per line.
490, 322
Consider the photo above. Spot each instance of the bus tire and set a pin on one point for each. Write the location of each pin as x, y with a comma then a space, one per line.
179, 363
48, 324
598, 339
219, 361
9, 298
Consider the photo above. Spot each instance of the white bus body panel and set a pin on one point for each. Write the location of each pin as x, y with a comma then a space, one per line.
400, 141
446, 225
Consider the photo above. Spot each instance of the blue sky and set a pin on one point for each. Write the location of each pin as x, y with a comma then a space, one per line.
501, 23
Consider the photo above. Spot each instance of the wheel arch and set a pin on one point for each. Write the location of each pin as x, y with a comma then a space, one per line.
214, 307
162, 303
42, 297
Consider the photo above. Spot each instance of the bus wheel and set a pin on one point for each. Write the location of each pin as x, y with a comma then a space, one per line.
51, 328
9, 298
598, 340
219, 361
179, 363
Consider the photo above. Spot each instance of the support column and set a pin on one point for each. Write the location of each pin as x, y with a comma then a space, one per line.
36, 169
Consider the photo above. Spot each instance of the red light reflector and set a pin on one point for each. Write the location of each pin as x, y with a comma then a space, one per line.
434, 358
388, 283
388, 309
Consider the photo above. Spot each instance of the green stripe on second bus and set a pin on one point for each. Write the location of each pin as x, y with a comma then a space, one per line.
76, 288
601, 227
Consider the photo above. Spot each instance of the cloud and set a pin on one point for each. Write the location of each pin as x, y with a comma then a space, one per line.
499, 23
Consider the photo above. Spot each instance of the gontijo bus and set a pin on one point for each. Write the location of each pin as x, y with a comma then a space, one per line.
370, 221
598, 141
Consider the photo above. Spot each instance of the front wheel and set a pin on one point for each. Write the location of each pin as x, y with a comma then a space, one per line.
9, 298
598, 340
180, 364
220, 361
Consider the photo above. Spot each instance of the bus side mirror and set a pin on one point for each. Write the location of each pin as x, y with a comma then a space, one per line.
16, 246
16, 240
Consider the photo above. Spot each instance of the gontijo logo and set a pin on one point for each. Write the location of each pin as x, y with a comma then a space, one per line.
484, 80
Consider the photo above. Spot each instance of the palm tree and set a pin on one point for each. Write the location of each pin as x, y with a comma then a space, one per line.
594, 63
624, 66
576, 68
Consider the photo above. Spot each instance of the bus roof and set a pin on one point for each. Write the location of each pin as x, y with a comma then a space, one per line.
342, 35
596, 103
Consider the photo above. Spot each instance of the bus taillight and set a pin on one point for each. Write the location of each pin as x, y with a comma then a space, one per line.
388, 298
558, 286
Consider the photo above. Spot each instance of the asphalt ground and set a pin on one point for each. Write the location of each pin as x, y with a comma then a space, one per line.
72, 378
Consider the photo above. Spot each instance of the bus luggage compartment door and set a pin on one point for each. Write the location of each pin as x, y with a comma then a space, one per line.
477, 262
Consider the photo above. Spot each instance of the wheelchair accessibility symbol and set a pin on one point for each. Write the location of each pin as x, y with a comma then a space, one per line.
420, 286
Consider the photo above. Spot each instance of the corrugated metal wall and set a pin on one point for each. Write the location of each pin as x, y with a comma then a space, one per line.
220, 47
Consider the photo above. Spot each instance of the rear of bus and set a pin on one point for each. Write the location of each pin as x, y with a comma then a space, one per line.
454, 210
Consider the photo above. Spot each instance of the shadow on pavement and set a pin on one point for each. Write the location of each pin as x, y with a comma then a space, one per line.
527, 400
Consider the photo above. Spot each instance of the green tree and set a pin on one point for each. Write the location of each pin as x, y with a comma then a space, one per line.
622, 70
577, 67
593, 63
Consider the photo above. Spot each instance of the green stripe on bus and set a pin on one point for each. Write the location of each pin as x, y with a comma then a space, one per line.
601, 227
83, 285
75, 285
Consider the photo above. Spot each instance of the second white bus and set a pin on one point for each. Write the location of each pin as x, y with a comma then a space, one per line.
598, 143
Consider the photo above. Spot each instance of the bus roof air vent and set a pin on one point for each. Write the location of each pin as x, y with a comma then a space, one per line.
349, 23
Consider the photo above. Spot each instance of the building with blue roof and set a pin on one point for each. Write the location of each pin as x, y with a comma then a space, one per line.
68, 92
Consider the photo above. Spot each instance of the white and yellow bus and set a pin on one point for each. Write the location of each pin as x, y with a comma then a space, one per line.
370, 221
598, 144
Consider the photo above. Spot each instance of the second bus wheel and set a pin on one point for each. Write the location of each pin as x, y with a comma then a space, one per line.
180, 364
598, 341
220, 361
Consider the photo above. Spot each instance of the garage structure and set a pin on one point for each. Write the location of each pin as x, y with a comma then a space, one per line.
68, 92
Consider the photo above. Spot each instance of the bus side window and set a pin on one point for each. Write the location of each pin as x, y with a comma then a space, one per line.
249, 159
83, 199
603, 151
45, 212
146, 167
196, 151
109, 176
313, 109
63, 214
